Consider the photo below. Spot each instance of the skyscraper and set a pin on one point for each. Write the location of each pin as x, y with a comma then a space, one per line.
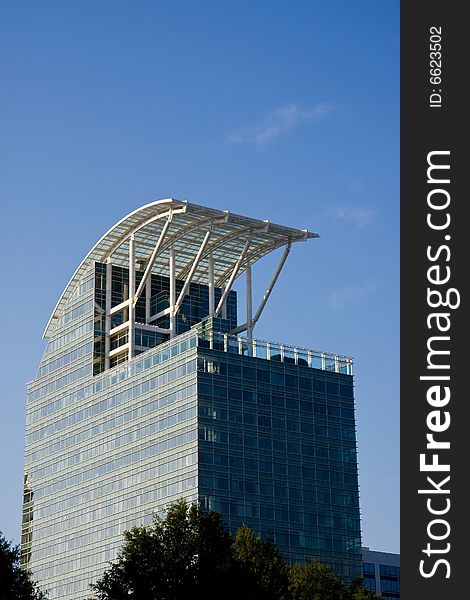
148, 392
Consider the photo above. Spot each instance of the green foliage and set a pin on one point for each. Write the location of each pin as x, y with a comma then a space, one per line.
265, 573
15, 583
189, 554
356, 591
314, 581
185, 555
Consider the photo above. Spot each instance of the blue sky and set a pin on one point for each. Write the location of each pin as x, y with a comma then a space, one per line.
287, 111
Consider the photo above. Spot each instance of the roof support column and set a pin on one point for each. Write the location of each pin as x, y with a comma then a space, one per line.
194, 266
210, 285
223, 310
272, 283
233, 276
152, 258
131, 295
148, 297
172, 293
107, 337
249, 304
267, 293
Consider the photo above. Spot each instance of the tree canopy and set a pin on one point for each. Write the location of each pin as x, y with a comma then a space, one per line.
189, 554
316, 581
15, 582
266, 576
185, 555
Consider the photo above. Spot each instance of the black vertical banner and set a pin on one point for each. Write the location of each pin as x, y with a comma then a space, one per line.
435, 315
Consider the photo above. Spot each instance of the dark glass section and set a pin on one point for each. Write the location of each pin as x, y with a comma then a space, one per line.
277, 451
389, 581
369, 582
368, 569
194, 308
27, 523
99, 317
389, 572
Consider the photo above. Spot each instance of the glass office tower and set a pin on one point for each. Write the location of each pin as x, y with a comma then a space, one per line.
149, 390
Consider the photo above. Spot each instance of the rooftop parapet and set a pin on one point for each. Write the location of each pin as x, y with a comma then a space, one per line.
275, 351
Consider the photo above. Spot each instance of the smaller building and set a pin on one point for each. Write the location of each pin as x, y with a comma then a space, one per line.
381, 573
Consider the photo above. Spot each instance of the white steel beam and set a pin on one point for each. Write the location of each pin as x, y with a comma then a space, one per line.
222, 240
267, 293
210, 277
172, 293
146, 327
107, 339
192, 271
233, 276
239, 329
249, 304
131, 294
181, 233
162, 313
255, 254
245, 326
118, 328
152, 258
148, 297
141, 225
119, 350
119, 307
169, 214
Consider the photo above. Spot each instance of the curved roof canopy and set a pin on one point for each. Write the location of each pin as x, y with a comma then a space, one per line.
177, 224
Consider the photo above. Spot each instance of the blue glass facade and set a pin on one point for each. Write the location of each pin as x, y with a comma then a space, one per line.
277, 452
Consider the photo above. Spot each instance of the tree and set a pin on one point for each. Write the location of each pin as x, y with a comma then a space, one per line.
316, 581
357, 591
264, 571
185, 555
15, 582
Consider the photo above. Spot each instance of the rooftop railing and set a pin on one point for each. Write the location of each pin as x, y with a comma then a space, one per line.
275, 351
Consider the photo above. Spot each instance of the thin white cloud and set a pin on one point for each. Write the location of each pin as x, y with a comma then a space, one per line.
361, 217
349, 295
278, 122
